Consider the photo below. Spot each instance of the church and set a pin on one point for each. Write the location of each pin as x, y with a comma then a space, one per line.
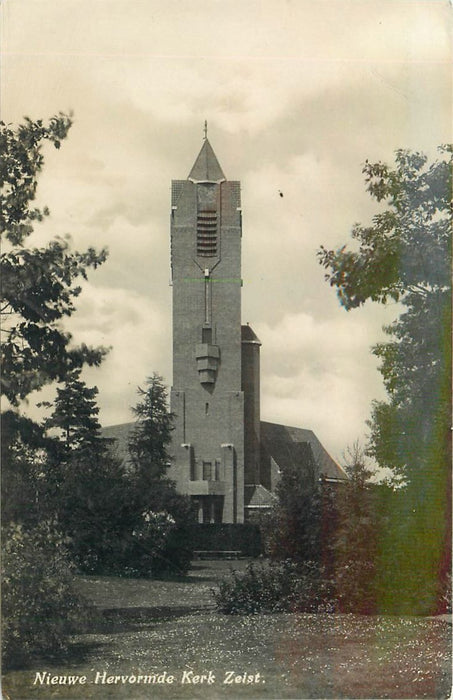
223, 455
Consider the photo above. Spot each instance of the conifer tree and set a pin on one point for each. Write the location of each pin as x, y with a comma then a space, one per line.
153, 492
87, 482
151, 437
75, 417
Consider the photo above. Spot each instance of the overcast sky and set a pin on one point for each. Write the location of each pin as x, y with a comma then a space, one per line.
297, 95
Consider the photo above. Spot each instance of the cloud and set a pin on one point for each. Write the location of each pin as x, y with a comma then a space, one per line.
318, 373
137, 332
297, 96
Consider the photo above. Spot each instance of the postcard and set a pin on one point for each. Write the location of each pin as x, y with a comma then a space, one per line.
226, 312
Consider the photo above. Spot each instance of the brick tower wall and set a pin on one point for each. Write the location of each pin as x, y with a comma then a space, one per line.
207, 397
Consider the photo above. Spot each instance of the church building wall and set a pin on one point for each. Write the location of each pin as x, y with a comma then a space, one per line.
206, 397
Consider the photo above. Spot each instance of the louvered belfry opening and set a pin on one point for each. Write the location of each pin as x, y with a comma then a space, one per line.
207, 233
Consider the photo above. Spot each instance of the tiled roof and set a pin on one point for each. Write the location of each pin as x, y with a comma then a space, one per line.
120, 433
258, 497
249, 335
206, 167
280, 441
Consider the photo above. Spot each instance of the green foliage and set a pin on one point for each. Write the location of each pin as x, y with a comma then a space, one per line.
151, 490
293, 529
38, 284
375, 550
39, 606
277, 587
152, 434
354, 542
75, 418
405, 256
24, 466
406, 250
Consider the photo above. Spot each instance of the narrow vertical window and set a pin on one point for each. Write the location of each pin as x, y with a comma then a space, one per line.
207, 233
206, 335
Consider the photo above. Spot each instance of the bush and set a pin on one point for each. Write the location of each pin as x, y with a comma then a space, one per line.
148, 551
154, 542
177, 553
39, 607
356, 585
276, 587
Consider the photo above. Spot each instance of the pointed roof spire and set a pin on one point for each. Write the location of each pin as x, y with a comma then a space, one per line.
206, 167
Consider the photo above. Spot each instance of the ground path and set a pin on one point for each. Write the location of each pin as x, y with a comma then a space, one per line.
160, 629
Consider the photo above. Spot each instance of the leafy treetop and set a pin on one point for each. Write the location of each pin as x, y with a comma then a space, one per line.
38, 284
406, 250
405, 256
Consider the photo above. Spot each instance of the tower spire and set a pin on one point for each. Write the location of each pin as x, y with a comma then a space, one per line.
206, 167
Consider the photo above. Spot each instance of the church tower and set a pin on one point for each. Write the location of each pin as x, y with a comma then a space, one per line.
223, 456
207, 397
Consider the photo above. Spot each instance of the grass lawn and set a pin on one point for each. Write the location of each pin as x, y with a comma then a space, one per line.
153, 627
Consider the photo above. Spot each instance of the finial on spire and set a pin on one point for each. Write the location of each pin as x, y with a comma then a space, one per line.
205, 129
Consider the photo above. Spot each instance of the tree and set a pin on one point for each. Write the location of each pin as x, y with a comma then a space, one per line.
75, 416
87, 484
295, 526
40, 607
356, 536
155, 495
404, 256
39, 287
148, 445
24, 460
38, 284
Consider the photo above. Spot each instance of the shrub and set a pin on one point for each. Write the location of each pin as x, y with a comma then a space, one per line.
39, 606
177, 552
356, 586
276, 587
156, 541
149, 540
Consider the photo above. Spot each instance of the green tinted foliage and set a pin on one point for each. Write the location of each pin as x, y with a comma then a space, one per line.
294, 528
405, 256
285, 586
406, 249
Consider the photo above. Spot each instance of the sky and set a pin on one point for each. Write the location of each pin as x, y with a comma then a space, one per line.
297, 95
